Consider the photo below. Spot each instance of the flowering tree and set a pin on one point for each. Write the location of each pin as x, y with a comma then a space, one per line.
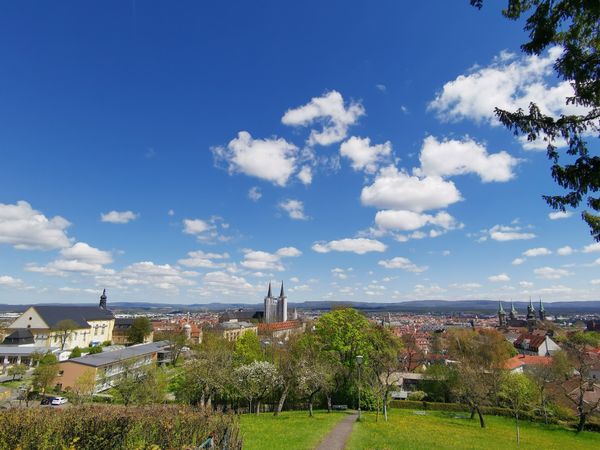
256, 380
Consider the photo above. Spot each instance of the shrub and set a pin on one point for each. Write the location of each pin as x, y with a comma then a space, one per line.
417, 395
94, 350
75, 353
100, 427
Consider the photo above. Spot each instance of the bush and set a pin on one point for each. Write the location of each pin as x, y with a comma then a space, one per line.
75, 353
416, 395
100, 427
94, 350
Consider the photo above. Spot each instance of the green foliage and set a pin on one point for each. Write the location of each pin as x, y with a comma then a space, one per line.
572, 25
45, 373
17, 370
454, 430
247, 349
104, 427
94, 350
75, 353
417, 395
139, 330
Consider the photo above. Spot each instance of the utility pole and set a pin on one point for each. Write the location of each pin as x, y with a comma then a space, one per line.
359, 361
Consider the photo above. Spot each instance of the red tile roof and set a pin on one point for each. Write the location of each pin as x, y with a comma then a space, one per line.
527, 360
278, 326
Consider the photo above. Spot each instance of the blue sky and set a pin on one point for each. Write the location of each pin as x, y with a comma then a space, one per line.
189, 152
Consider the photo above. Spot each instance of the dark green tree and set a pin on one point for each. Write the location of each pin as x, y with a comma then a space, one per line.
139, 330
573, 25
75, 353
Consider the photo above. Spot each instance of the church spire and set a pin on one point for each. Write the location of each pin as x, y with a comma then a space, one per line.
103, 300
281, 294
269, 294
542, 311
500, 307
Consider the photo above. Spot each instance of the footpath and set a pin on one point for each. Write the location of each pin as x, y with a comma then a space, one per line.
337, 438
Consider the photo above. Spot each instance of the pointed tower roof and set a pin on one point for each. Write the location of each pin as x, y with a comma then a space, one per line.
103, 294
500, 308
541, 305
269, 294
512, 307
282, 294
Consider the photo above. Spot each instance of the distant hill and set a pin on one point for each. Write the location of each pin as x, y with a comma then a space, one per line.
420, 306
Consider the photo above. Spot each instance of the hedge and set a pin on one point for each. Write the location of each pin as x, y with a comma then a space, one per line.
100, 427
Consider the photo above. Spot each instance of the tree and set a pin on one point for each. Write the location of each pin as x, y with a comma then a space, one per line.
575, 389
17, 370
247, 348
63, 329
290, 361
572, 25
255, 381
75, 352
95, 349
45, 373
176, 339
544, 375
480, 357
518, 393
84, 387
385, 363
140, 329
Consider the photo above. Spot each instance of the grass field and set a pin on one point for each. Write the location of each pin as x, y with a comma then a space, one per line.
441, 430
292, 430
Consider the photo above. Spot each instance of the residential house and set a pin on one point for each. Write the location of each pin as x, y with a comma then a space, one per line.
536, 343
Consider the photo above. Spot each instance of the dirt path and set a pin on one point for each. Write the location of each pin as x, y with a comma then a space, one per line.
337, 438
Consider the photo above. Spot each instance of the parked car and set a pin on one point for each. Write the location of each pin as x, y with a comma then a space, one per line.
46, 400
56, 401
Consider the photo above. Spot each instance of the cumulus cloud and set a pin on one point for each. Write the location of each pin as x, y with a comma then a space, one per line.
294, 208
328, 110
28, 229
559, 215
592, 248
166, 277
206, 230
11, 282
408, 220
363, 155
402, 263
539, 251
84, 252
223, 283
565, 251
550, 273
459, 157
254, 194
503, 233
195, 226
359, 246
81, 258
466, 286
502, 277
261, 260
394, 189
118, 216
305, 175
273, 159
203, 259
507, 83
518, 261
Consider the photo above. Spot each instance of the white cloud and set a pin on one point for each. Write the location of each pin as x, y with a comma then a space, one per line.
118, 216
223, 283
592, 248
260, 260
504, 233
63, 267
202, 259
459, 157
393, 189
409, 220
28, 229
305, 175
86, 253
165, 277
171, 212
508, 83
8, 281
195, 226
363, 155
556, 289
518, 261
466, 286
549, 273
402, 263
288, 252
359, 246
254, 194
294, 208
273, 159
595, 282
525, 284
565, 251
560, 215
539, 251
339, 273
328, 110
381, 87
502, 277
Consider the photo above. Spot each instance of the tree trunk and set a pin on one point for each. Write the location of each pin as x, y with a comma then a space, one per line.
257, 407
385, 410
202, 401
472, 413
582, 420
209, 402
329, 408
517, 426
281, 401
481, 421
310, 407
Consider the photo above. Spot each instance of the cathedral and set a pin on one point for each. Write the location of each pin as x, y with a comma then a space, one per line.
275, 307
530, 321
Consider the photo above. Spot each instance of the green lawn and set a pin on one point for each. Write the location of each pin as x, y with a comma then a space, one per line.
441, 430
291, 430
